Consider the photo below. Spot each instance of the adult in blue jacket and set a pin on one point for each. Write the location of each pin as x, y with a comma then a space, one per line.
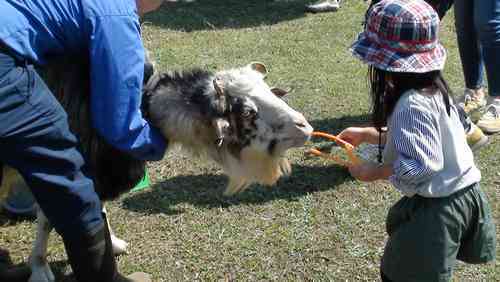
34, 132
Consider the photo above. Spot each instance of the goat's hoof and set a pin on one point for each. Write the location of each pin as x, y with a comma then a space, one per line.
119, 246
41, 273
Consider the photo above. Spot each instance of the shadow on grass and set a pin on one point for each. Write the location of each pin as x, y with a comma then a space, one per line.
8, 219
336, 125
58, 267
216, 14
6, 265
207, 190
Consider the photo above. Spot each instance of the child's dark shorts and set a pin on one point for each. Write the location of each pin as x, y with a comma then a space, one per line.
428, 235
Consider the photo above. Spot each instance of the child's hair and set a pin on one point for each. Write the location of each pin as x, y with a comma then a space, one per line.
386, 94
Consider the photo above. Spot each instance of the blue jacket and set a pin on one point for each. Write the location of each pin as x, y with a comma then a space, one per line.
109, 32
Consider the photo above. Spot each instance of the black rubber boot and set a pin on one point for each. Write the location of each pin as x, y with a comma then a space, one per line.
10, 273
92, 260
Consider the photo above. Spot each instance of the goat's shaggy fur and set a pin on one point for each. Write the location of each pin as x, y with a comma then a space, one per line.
184, 104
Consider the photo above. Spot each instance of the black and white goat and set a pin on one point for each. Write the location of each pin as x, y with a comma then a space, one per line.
231, 117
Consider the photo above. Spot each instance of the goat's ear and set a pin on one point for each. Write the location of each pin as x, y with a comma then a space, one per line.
279, 92
259, 67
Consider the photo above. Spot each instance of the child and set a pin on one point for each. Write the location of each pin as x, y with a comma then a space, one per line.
472, 99
443, 215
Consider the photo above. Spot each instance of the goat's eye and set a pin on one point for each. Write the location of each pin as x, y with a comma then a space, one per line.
247, 113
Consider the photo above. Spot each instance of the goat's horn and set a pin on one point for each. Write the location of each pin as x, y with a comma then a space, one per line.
219, 86
221, 97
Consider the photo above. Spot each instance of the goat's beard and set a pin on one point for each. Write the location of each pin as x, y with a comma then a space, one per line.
253, 167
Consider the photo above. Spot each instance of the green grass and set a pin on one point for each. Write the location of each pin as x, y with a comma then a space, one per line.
317, 225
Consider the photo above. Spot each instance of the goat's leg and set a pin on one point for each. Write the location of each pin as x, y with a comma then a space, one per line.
119, 246
40, 269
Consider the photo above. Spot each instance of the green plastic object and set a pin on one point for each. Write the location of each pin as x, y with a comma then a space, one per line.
143, 184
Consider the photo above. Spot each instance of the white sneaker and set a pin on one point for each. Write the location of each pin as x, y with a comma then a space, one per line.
323, 6
490, 120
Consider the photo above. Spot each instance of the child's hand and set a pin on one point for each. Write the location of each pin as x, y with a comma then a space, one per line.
358, 135
353, 135
368, 172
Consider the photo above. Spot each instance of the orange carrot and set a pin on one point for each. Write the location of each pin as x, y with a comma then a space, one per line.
349, 148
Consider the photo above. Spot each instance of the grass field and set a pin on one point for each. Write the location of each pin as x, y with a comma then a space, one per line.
317, 225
